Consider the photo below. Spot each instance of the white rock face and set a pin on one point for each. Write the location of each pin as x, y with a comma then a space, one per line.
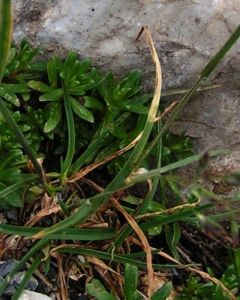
186, 35
28, 295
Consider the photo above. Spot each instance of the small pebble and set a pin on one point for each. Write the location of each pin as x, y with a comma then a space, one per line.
7, 266
18, 277
12, 214
29, 295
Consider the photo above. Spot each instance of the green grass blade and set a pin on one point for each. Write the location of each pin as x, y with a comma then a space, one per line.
100, 199
68, 233
5, 34
129, 166
133, 179
22, 262
80, 161
179, 216
32, 179
178, 91
131, 279
143, 208
71, 132
82, 214
116, 258
27, 276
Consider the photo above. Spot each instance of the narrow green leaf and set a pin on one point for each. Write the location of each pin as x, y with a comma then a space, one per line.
53, 115
69, 61
163, 292
84, 66
124, 259
91, 102
52, 74
39, 86
132, 107
111, 148
96, 289
179, 216
7, 94
5, 34
82, 214
12, 198
71, 132
11, 157
81, 111
8, 190
17, 87
9, 174
131, 279
53, 96
110, 82
117, 131
58, 63
169, 233
68, 233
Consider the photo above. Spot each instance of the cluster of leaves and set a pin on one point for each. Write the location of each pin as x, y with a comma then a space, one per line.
34, 94
96, 289
196, 289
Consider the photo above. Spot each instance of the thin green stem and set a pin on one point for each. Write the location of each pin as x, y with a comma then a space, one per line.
71, 133
5, 34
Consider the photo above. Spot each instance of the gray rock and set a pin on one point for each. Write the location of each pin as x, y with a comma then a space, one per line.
7, 266
9, 291
18, 277
12, 214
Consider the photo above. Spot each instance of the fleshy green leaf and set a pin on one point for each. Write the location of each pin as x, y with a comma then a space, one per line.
12, 198
132, 107
53, 114
91, 102
163, 292
8, 94
53, 96
96, 289
39, 86
81, 111
131, 279
52, 74
84, 65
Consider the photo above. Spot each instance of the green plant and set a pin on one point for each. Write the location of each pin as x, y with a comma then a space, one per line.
197, 290
96, 289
